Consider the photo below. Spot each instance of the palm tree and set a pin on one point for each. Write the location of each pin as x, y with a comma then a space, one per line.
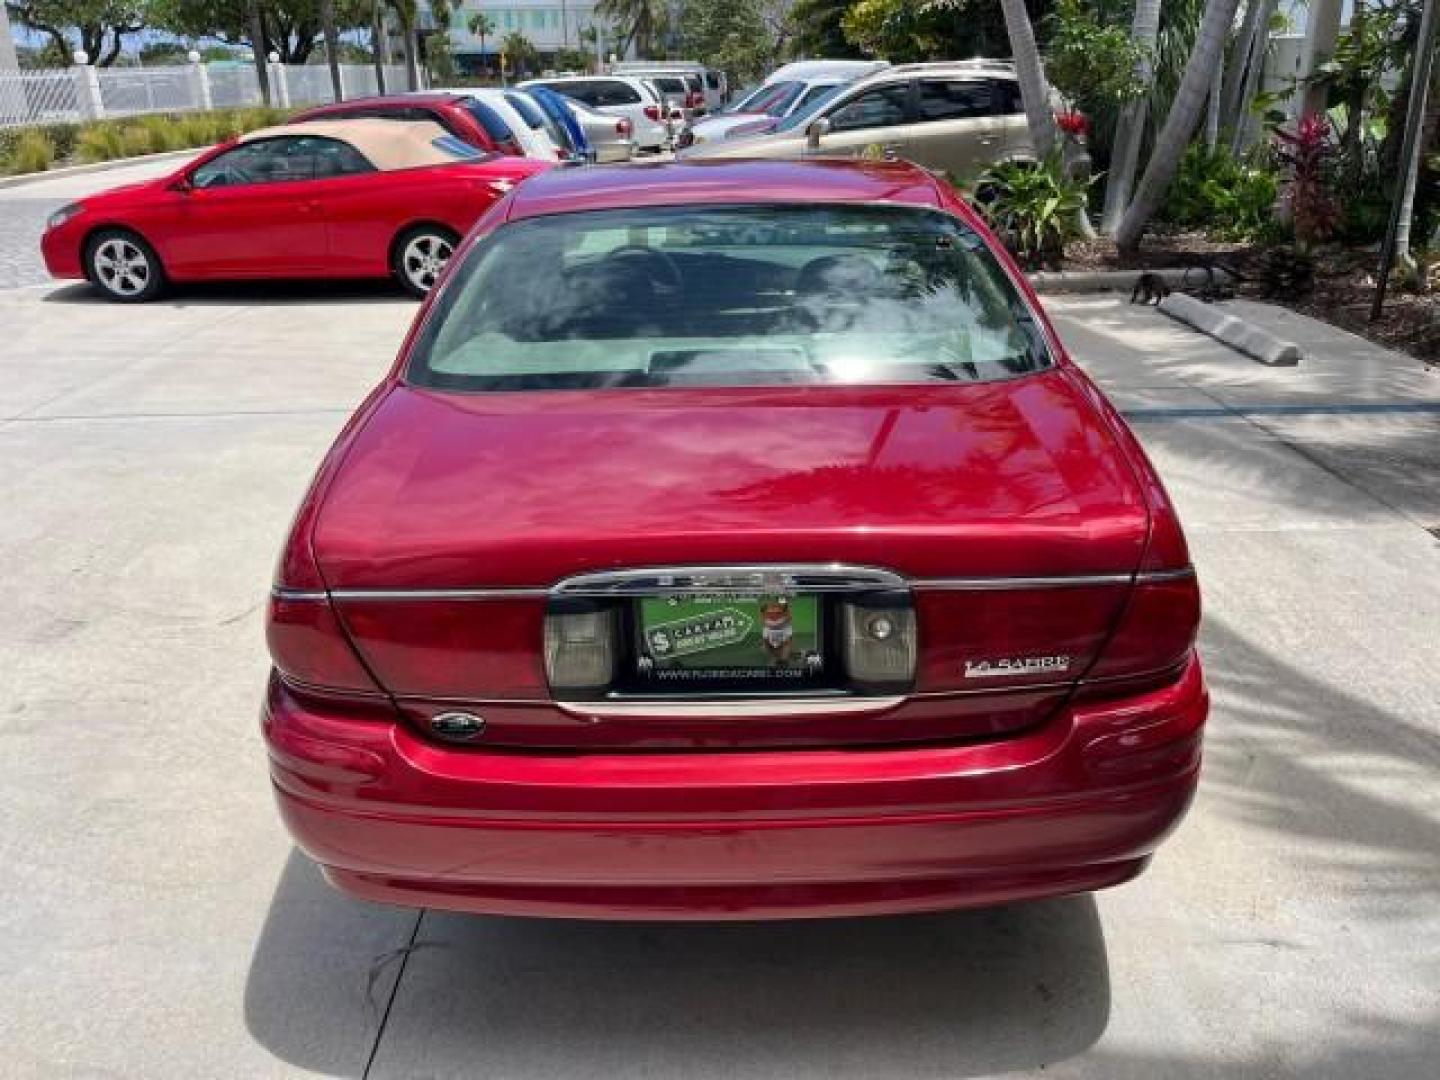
640, 22
257, 47
379, 43
332, 46
1130, 130
406, 15
481, 25
1180, 123
518, 51
1034, 92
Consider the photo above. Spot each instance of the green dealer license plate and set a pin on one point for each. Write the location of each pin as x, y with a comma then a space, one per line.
723, 637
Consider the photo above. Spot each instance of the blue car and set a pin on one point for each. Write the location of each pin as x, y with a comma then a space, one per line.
560, 118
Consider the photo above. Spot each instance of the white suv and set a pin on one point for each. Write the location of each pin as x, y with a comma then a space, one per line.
617, 95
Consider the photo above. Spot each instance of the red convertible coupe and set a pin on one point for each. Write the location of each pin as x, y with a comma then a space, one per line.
338, 199
772, 561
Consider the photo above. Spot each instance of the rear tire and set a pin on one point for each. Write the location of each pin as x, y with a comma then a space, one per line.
419, 255
123, 266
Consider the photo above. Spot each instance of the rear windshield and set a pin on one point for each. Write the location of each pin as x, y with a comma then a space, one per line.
727, 296
670, 86
490, 120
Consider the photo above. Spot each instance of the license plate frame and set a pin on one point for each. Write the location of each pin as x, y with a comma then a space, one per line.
750, 642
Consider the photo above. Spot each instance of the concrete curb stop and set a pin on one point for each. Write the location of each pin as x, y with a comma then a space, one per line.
95, 166
1230, 330
1085, 281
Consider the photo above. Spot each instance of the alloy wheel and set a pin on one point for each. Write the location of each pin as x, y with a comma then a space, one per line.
423, 259
122, 268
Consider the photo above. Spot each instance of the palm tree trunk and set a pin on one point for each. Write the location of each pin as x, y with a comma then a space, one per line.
257, 47
332, 46
1240, 121
378, 45
1429, 110
1180, 124
1130, 132
1212, 114
1031, 72
1244, 46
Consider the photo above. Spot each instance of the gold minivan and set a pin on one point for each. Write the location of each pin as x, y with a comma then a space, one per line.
957, 117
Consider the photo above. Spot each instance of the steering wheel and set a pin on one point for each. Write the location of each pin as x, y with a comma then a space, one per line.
669, 280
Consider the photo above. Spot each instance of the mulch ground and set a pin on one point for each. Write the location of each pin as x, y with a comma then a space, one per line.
1340, 294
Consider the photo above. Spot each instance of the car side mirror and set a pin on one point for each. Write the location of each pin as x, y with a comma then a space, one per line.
817, 130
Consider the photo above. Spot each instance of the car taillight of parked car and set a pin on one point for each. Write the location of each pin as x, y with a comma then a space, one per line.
623, 128
652, 112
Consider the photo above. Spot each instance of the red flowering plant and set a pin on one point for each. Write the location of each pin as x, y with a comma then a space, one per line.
1308, 156
1073, 123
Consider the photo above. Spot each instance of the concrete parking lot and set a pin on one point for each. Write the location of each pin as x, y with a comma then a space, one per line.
155, 920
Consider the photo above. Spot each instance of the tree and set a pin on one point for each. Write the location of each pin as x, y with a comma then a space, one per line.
1130, 131
1180, 123
519, 52
332, 46
1034, 92
731, 36
909, 30
640, 22
290, 28
99, 26
482, 26
818, 29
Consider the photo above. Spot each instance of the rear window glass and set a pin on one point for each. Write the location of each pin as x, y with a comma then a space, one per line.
528, 110
727, 296
670, 86
490, 120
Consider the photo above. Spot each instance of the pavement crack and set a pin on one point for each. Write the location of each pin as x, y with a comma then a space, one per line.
379, 965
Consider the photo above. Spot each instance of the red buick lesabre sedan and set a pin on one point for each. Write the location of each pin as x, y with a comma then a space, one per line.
338, 199
733, 540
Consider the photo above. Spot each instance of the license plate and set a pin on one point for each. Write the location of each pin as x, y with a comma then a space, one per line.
748, 638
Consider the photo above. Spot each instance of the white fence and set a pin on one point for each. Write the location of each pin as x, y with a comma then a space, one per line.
89, 93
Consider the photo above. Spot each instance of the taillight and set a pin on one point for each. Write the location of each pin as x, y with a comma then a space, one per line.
652, 112
581, 647
694, 100
623, 128
880, 639
309, 647
1156, 630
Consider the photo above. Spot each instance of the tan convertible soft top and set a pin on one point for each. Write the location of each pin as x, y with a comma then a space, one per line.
386, 144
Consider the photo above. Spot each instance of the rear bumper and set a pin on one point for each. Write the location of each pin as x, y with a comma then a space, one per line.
1076, 805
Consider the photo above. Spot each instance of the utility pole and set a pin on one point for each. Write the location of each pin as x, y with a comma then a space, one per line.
1403, 205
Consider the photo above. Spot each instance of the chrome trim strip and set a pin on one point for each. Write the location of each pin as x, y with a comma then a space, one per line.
298, 594
440, 594
818, 578
1166, 575
739, 578
784, 707
1005, 584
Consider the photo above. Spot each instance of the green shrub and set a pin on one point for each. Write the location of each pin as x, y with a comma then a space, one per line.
135, 141
163, 132
1033, 207
99, 141
34, 151
1229, 199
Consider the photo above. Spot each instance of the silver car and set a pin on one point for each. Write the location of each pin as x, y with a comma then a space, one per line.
611, 138
958, 118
